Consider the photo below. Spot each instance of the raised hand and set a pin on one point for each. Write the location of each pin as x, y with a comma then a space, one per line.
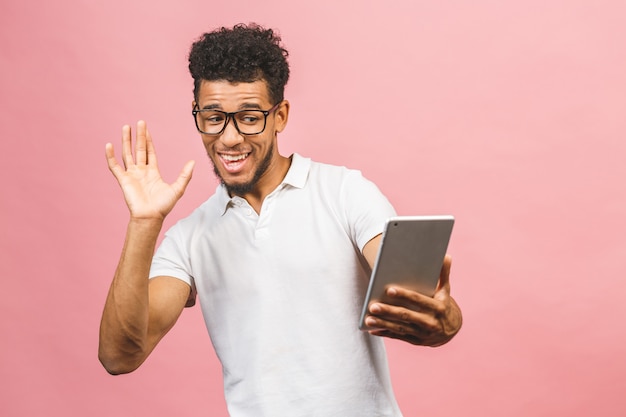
145, 192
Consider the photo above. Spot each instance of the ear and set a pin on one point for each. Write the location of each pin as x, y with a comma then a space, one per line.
281, 116
193, 104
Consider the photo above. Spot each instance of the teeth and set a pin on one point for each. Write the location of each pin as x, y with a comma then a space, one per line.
232, 158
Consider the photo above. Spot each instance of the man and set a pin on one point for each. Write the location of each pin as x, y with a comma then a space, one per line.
279, 256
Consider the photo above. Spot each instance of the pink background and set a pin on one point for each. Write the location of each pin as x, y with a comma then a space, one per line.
509, 115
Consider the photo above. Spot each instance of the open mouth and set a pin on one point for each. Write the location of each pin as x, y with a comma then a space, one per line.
234, 163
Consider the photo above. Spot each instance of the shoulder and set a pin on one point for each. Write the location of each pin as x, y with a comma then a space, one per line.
205, 213
349, 183
335, 175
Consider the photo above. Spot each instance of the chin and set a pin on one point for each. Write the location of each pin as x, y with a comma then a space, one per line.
239, 188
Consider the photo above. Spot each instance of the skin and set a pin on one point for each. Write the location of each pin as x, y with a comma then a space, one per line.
225, 96
430, 322
138, 312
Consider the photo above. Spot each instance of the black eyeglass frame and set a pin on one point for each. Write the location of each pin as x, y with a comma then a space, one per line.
231, 116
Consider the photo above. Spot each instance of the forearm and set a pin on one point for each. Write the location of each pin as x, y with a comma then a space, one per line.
124, 337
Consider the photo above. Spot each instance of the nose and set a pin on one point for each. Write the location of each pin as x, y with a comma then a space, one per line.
230, 137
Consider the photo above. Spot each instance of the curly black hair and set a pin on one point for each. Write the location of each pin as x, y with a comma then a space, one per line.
245, 53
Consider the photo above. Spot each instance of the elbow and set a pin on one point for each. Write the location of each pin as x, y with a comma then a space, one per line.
116, 363
115, 367
120, 354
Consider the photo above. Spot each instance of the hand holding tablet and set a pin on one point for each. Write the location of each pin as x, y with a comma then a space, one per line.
410, 256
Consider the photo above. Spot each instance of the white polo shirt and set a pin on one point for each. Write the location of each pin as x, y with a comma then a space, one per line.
281, 293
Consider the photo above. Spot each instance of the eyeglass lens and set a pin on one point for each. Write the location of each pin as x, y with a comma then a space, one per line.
249, 122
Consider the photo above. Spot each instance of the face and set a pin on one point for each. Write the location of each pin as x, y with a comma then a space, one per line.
244, 163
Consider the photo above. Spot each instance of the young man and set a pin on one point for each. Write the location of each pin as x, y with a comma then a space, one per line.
279, 256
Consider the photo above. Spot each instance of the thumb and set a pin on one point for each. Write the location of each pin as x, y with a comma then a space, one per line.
444, 275
183, 179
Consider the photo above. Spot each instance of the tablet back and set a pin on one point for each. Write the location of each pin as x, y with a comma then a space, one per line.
410, 256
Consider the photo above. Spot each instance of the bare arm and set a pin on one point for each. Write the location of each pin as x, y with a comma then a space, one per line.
139, 312
430, 322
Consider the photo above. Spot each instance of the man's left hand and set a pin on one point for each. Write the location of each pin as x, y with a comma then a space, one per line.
417, 318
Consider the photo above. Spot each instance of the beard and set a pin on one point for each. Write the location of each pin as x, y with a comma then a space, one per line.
247, 187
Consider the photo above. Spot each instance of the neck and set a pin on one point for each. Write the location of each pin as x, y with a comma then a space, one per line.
272, 178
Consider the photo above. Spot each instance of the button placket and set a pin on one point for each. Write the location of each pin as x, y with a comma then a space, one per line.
262, 228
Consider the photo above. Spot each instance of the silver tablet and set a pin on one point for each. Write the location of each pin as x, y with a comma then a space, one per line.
410, 255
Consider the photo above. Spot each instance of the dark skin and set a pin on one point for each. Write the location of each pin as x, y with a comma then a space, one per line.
139, 312
415, 318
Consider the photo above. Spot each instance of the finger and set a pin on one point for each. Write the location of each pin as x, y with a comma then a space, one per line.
150, 150
180, 185
140, 145
416, 340
114, 167
444, 275
411, 299
127, 152
401, 315
417, 328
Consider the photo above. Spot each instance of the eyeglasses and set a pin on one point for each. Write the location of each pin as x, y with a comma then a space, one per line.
247, 122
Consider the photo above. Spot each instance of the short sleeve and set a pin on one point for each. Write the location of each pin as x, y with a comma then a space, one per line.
172, 260
366, 208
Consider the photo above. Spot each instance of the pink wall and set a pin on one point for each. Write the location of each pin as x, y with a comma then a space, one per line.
509, 115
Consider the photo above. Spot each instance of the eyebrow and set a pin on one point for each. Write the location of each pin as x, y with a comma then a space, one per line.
244, 106
212, 107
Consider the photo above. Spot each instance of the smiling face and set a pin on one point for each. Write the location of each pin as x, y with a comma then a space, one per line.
246, 164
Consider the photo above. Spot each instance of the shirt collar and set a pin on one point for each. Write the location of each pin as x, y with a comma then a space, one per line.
296, 177
298, 171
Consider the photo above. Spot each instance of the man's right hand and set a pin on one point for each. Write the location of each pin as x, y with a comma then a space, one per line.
138, 312
145, 192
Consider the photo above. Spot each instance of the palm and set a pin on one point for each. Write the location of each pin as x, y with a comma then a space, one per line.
145, 192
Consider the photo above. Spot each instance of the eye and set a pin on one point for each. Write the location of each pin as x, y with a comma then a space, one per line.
249, 118
213, 117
